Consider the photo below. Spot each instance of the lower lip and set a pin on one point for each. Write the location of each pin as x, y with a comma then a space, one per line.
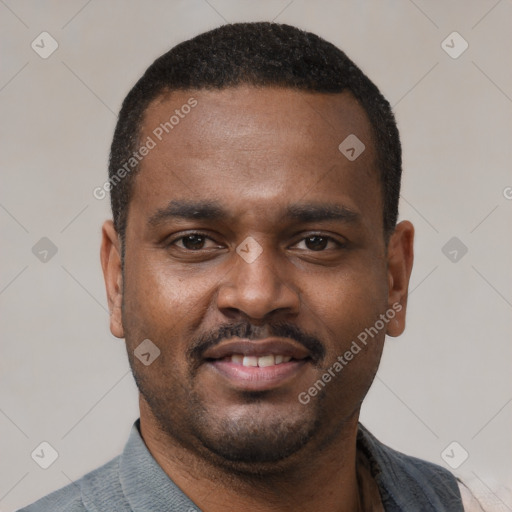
255, 378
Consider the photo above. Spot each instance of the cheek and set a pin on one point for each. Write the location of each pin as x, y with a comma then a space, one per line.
161, 305
154, 290
162, 302
344, 305
346, 316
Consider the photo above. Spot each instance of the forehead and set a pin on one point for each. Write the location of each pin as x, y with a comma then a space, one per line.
256, 147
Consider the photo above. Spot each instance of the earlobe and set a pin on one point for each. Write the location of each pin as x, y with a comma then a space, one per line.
400, 260
112, 273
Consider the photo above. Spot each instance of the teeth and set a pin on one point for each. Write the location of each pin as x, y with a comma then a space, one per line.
266, 361
263, 361
237, 358
250, 361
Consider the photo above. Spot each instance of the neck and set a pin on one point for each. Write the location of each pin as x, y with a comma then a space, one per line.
322, 477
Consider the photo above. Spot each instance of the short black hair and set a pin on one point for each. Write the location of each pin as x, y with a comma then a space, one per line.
262, 54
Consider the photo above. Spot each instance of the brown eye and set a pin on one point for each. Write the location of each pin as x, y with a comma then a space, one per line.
193, 242
316, 243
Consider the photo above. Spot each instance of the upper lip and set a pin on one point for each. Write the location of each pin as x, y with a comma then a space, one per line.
258, 348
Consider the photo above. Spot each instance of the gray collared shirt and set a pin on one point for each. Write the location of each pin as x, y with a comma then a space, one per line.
134, 482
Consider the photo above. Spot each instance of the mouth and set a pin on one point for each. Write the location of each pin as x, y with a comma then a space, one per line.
259, 365
261, 362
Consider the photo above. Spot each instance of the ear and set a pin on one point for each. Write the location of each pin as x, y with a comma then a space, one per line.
111, 263
400, 259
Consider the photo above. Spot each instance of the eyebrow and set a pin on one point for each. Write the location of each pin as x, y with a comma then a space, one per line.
211, 210
315, 212
192, 210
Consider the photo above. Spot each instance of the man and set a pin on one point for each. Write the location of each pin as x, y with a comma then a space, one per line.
254, 265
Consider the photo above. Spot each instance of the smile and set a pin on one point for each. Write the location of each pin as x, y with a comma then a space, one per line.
257, 365
262, 362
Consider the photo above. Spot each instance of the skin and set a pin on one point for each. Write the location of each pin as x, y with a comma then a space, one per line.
256, 153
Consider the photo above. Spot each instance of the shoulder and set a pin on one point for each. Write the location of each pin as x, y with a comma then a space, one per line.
103, 482
66, 499
407, 482
386, 458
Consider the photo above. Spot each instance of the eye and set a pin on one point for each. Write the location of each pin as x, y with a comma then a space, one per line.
318, 243
193, 242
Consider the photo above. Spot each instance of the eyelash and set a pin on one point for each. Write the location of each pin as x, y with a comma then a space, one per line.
198, 233
339, 244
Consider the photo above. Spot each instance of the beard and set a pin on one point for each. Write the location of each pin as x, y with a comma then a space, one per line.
250, 441
254, 437
251, 434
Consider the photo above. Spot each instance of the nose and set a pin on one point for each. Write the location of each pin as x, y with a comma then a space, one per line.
258, 289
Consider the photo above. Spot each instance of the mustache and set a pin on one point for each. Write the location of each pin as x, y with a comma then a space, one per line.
251, 332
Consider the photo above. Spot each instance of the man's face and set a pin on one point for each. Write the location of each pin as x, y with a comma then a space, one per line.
250, 235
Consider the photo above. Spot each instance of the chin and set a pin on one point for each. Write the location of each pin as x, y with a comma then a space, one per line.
254, 441
255, 437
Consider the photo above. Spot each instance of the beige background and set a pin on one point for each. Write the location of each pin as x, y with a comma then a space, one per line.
65, 379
